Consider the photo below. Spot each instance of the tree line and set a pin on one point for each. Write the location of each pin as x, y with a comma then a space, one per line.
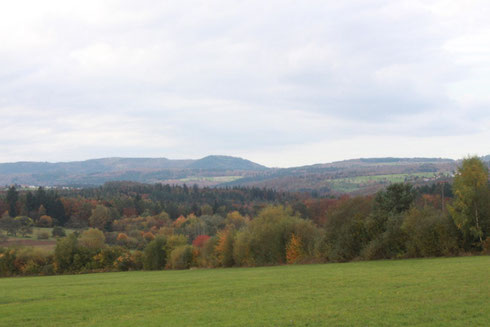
250, 229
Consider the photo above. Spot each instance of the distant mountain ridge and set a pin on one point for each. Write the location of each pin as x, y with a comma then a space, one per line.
99, 171
354, 176
123, 164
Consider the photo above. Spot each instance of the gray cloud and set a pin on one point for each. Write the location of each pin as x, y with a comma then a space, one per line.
188, 78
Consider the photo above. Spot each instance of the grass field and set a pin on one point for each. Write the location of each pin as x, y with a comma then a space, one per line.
422, 292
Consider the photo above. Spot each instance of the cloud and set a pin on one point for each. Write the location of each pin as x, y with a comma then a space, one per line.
186, 79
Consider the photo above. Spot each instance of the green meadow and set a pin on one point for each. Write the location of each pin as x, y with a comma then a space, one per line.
418, 292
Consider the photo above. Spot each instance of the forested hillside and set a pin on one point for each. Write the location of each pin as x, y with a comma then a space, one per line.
131, 226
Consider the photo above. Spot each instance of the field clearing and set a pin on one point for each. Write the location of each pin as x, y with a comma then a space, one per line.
32, 239
419, 292
216, 179
352, 184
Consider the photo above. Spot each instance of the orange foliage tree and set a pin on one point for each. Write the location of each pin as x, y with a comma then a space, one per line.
224, 247
294, 249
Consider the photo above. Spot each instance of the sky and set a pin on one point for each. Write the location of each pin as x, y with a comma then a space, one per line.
282, 83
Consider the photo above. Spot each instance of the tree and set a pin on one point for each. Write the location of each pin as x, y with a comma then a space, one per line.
25, 224
101, 217
10, 225
471, 207
64, 253
181, 257
224, 248
12, 197
397, 198
155, 254
92, 239
294, 249
429, 233
45, 221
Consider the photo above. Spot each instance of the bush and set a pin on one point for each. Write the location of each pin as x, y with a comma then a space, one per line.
181, 257
58, 231
107, 257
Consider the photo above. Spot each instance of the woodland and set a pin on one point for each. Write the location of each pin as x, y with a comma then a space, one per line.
124, 226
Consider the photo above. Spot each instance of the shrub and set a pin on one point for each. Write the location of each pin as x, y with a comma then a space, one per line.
58, 231
108, 256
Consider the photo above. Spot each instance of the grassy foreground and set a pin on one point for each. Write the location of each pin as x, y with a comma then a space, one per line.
423, 292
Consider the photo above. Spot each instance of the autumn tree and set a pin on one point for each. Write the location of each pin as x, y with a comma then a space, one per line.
45, 221
294, 249
224, 247
471, 207
92, 239
101, 217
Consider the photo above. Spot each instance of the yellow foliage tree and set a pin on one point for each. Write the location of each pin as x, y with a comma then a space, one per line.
224, 247
294, 249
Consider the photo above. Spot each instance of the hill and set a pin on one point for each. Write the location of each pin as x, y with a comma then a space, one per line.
355, 176
208, 170
225, 163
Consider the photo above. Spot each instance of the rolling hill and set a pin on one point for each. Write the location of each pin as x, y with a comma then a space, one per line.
355, 176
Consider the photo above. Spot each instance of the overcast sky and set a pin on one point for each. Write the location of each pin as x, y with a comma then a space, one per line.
282, 83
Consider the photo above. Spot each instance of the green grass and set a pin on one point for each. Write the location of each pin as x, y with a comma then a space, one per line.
422, 292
